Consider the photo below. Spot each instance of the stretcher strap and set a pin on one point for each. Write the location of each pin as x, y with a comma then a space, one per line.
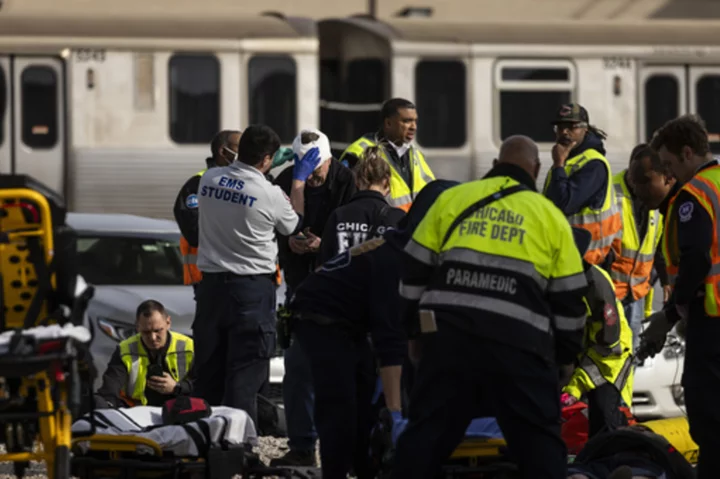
44, 286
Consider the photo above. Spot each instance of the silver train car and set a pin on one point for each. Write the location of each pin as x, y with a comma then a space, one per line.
117, 112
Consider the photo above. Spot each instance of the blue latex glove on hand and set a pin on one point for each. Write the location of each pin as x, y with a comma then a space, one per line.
399, 425
304, 168
282, 156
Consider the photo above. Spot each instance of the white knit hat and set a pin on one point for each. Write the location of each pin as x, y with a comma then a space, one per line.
322, 143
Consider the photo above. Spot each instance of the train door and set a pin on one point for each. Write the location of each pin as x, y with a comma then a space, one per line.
355, 78
667, 92
32, 119
704, 99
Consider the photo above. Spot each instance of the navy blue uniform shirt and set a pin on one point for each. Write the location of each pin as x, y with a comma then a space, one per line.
360, 286
585, 188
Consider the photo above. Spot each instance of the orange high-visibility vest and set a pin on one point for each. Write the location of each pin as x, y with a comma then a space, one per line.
705, 188
191, 273
605, 223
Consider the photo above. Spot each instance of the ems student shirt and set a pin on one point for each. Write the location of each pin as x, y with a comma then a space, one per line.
240, 211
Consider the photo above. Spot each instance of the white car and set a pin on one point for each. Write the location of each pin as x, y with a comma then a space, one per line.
657, 392
129, 259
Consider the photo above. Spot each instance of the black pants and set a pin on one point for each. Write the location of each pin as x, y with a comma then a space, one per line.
343, 372
704, 419
234, 336
461, 377
604, 412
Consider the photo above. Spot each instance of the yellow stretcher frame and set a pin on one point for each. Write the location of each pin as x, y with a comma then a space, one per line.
120, 458
47, 381
17, 230
675, 430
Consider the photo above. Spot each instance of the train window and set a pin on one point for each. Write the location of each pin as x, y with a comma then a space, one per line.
440, 93
272, 82
661, 102
529, 94
194, 98
3, 103
39, 107
707, 98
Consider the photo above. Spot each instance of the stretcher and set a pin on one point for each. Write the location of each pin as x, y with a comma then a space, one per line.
483, 452
134, 443
45, 368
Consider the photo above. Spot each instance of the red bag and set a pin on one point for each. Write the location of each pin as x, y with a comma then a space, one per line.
575, 425
184, 409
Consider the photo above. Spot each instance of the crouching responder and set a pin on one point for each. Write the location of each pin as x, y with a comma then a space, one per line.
500, 303
410, 171
151, 367
332, 329
604, 372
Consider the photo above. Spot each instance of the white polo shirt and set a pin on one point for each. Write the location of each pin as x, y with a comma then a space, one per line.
239, 213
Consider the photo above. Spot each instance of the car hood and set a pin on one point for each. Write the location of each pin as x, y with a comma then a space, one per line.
120, 302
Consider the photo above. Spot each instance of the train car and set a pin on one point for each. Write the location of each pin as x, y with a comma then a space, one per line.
477, 83
116, 113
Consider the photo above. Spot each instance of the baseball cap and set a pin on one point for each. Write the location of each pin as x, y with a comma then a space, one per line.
322, 143
571, 113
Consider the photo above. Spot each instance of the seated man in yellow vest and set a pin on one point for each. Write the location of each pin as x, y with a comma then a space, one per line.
639, 189
409, 170
150, 367
604, 370
580, 181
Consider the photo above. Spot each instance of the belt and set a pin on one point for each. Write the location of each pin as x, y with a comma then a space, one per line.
231, 275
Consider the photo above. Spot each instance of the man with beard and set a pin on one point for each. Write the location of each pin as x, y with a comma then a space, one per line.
580, 181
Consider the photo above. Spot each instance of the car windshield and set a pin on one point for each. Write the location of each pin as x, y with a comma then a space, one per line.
118, 260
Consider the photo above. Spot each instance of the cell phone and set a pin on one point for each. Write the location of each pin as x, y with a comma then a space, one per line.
300, 236
154, 370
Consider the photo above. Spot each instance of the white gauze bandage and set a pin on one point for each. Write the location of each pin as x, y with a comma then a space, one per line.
322, 143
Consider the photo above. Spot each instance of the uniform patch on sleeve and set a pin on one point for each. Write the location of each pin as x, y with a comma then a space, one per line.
685, 211
610, 315
191, 201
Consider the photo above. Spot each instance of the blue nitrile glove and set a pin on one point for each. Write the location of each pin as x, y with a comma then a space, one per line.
304, 168
282, 156
399, 425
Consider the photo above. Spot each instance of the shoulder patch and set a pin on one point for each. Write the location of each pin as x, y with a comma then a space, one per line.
191, 201
610, 315
685, 211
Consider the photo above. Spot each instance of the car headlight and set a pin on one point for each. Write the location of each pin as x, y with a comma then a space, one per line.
678, 394
117, 330
674, 348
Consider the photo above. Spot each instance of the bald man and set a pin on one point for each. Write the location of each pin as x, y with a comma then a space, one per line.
495, 286
224, 151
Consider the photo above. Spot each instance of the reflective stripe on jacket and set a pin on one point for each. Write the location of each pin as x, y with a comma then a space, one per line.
608, 342
499, 275
705, 187
605, 223
191, 273
400, 194
179, 357
634, 257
